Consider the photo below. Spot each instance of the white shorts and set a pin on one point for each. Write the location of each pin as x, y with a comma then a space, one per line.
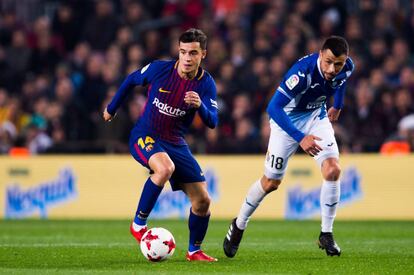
282, 146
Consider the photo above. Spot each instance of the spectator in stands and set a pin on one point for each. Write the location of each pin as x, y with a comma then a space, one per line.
401, 142
100, 29
96, 43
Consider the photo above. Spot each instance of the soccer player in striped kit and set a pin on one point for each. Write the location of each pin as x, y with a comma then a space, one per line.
177, 90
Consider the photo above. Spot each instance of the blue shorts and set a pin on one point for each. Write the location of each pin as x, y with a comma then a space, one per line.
187, 170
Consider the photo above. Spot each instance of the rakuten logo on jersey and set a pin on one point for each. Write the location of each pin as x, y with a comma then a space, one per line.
168, 110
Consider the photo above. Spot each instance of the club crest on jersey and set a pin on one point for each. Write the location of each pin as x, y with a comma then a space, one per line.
168, 110
292, 81
149, 147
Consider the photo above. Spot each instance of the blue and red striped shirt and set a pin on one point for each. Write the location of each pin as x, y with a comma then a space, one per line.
166, 116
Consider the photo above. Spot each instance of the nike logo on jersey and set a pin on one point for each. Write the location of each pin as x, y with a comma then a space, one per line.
301, 74
314, 85
329, 145
331, 205
161, 90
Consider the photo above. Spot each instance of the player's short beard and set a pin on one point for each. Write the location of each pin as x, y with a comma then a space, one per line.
327, 78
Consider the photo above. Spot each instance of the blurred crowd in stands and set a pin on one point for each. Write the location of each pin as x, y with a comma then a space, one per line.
62, 61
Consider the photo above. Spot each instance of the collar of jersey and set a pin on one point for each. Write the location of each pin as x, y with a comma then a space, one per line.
198, 76
318, 64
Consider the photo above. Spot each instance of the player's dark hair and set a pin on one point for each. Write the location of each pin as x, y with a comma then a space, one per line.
337, 45
194, 35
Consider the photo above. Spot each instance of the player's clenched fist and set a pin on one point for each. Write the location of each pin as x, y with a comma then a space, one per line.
333, 114
192, 99
107, 116
309, 145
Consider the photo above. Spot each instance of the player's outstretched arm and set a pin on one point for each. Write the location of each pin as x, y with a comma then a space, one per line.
138, 78
107, 116
123, 91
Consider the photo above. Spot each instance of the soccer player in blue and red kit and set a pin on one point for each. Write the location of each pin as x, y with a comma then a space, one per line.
177, 90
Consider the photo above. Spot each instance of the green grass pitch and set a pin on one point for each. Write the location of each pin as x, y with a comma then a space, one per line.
268, 247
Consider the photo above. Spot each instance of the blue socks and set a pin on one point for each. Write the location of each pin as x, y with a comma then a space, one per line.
198, 228
196, 224
147, 201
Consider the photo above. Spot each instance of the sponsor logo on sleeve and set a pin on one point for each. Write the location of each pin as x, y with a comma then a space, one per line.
292, 81
213, 103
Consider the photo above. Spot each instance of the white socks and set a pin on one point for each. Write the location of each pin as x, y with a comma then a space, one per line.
330, 193
137, 227
254, 196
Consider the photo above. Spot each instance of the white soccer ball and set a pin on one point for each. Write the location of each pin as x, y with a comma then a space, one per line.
157, 244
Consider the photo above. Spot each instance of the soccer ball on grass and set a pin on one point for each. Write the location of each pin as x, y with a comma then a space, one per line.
157, 244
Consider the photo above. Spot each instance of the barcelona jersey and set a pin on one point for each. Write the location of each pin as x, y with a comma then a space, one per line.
166, 116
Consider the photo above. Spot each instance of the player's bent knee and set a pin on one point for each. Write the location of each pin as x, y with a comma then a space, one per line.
332, 172
165, 172
270, 185
201, 205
